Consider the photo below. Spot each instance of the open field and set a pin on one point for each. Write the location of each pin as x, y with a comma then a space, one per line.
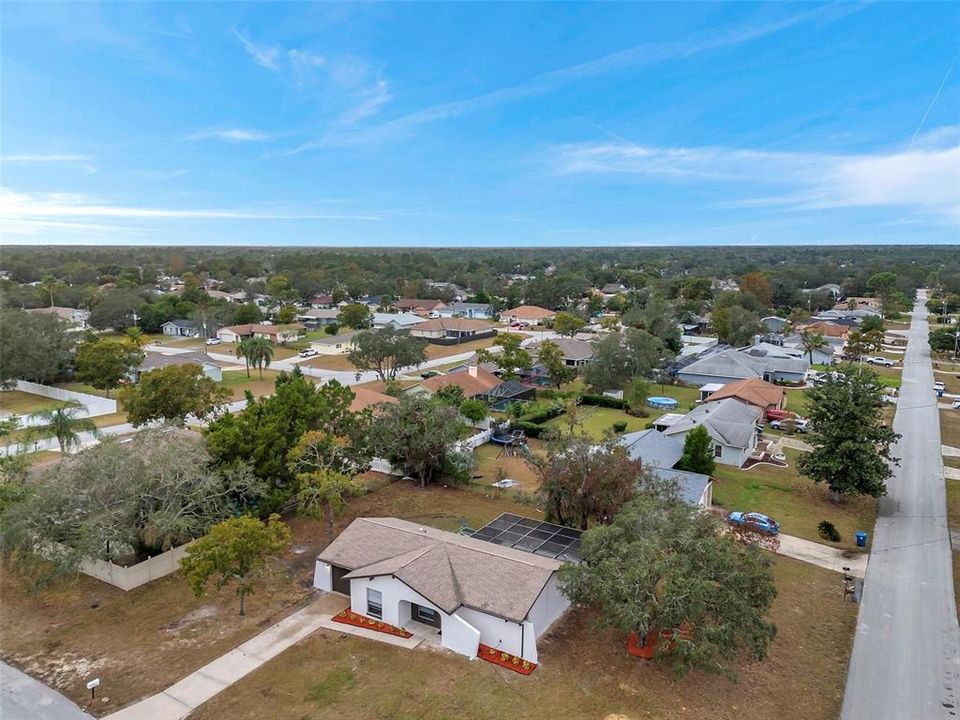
15, 402
585, 673
794, 501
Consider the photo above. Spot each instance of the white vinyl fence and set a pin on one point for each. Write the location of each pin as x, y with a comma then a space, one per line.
129, 577
93, 405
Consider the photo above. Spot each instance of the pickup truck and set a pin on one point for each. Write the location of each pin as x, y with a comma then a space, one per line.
879, 360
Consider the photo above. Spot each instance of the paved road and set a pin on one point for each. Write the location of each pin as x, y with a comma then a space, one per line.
23, 698
906, 653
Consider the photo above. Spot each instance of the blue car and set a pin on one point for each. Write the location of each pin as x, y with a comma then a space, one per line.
755, 521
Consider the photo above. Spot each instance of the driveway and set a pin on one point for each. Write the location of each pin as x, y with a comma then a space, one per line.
906, 652
23, 698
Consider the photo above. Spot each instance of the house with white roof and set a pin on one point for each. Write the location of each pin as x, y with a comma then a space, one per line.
397, 320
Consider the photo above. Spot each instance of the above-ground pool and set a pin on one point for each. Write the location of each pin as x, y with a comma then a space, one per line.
664, 403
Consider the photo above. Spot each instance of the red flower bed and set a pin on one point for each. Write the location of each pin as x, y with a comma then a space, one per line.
505, 660
348, 617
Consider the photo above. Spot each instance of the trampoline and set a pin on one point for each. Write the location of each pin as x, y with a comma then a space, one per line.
662, 403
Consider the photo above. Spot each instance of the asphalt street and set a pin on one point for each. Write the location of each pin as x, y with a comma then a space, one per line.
906, 653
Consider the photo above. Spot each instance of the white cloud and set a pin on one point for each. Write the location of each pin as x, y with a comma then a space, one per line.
159, 175
231, 135
264, 56
925, 179
49, 158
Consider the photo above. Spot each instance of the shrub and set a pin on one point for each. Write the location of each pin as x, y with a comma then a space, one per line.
620, 426
828, 531
604, 401
530, 429
331, 329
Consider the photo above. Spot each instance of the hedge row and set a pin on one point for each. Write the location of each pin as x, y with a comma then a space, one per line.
604, 401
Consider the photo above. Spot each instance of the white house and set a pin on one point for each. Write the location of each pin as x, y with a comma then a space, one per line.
180, 328
76, 318
339, 344
397, 320
732, 425
471, 311
152, 361
473, 591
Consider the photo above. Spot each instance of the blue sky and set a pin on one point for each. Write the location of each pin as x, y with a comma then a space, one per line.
480, 124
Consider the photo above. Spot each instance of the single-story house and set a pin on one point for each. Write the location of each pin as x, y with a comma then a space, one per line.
507, 392
611, 289
152, 361
278, 334
773, 324
729, 365
180, 328
76, 318
466, 589
457, 291
318, 317
823, 355
397, 320
453, 330
472, 311
870, 303
576, 353
321, 302
526, 315
753, 391
829, 288
419, 306
659, 453
732, 425
339, 344
474, 381
827, 328
365, 397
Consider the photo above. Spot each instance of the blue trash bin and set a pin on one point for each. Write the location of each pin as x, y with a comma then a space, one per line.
861, 538
939, 393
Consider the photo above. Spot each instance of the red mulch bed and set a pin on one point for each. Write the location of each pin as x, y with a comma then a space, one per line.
348, 617
505, 660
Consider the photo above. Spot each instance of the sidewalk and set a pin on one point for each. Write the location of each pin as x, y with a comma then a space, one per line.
823, 555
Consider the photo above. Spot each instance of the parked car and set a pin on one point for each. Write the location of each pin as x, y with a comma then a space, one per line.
429, 374
213, 341
309, 352
505, 484
938, 386
755, 521
800, 425
778, 414
880, 360
956, 405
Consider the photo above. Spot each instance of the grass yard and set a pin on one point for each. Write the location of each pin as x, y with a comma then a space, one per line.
950, 380
585, 673
88, 389
795, 501
330, 362
489, 459
238, 382
797, 401
440, 351
598, 421
16, 402
950, 427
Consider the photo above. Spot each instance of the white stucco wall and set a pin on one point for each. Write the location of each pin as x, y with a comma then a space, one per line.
495, 632
323, 576
549, 606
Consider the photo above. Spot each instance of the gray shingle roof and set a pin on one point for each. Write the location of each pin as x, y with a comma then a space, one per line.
691, 484
728, 421
449, 570
653, 448
571, 349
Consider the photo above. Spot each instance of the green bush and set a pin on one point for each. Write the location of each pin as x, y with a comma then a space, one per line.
531, 430
620, 426
604, 401
828, 531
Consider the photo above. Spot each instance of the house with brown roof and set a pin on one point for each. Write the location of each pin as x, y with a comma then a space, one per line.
474, 381
467, 591
526, 315
452, 330
278, 334
752, 391
365, 397
419, 306
826, 328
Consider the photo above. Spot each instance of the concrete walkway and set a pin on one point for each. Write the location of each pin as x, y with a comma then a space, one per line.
24, 698
949, 451
183, 697
824, 556
793, 443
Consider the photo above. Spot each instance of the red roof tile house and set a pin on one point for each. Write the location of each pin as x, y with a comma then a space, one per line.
278, 334
526, 315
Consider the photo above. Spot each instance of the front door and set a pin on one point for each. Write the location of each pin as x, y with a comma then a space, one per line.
425, 615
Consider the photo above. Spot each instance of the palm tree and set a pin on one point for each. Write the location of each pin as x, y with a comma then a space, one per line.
261, 353
136, 336
810, 342
62, 423
243, 350
50, 285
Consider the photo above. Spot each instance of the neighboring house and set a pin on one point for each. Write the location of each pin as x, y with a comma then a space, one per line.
398, 320
278, 334
754, 392
694, 325
467, 590
830, 288
729, 365
76, 318
448, 331
471, 311
859, 303
695, 344
576, 353
419, 306
339, 344
774, 324
321, 302
660, 453
611, 289
474, 381
507, 392
823, 355
526, 315
827, 328
365, 397
152, 361
314, 317
459, 293
180, 328
732, 425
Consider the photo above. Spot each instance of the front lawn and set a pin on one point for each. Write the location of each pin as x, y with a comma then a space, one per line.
238, 382
584, 673
16, 402
440, 351
797, 401
950, 427
793, 500
330, 362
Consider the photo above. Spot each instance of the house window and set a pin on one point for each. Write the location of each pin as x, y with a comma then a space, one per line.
374, 604
427, 615
717, 450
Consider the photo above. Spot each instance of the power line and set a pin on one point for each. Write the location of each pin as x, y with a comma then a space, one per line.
933, 102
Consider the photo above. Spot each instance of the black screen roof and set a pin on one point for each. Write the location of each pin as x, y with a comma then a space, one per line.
533, 536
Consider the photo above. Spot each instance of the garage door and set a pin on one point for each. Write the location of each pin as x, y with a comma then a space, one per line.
339, 584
